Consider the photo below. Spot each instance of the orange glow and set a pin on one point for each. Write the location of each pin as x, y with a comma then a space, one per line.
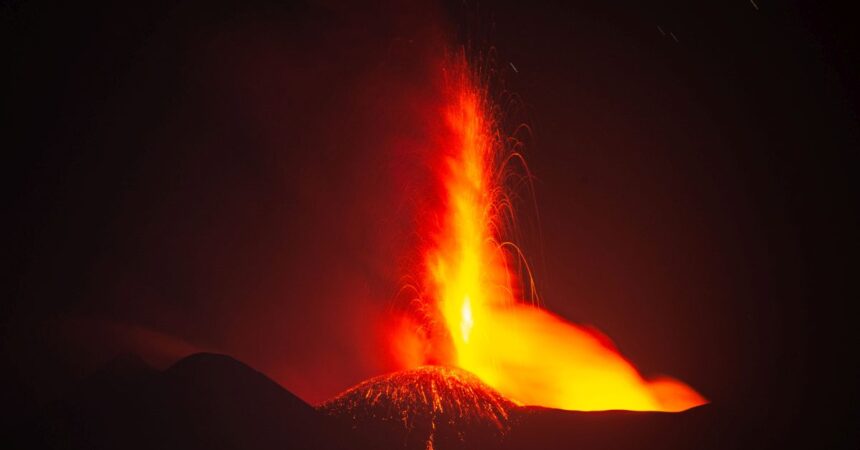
525, 352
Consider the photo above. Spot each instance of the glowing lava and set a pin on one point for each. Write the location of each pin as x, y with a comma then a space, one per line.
526, 353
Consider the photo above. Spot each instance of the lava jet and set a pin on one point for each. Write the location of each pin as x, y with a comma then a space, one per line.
493, 352
471, 308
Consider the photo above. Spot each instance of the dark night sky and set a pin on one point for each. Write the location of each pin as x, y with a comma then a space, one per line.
237, 178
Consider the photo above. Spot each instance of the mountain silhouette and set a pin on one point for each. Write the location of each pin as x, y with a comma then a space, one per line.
205, 401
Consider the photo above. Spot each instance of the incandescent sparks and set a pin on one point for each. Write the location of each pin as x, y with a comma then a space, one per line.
427, 407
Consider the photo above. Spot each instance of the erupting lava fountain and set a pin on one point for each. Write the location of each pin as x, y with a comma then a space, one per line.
471, 315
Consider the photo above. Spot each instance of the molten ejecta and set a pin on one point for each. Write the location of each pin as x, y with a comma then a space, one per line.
526, 353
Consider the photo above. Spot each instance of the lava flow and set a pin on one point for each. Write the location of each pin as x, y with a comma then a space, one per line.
469, 286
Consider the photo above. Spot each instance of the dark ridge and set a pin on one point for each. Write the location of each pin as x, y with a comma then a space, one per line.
209, 361
212, 371
227, 403
204, 401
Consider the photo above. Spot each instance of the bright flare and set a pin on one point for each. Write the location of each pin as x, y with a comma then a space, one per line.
523, 351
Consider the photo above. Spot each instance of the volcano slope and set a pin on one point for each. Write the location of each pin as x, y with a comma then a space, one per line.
428, 407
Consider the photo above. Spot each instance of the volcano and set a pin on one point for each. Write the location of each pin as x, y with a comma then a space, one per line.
209, 401
426, 407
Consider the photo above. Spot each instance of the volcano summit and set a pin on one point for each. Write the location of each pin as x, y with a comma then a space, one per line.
426, 407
